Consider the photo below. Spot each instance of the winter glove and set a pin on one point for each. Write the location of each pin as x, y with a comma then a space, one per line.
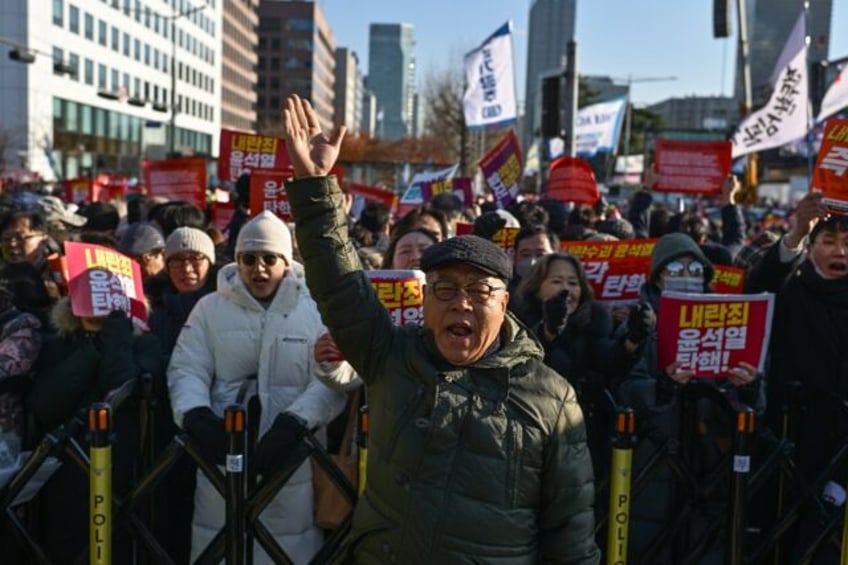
641, 323
277, 443
555, 313
488, 224
207, 434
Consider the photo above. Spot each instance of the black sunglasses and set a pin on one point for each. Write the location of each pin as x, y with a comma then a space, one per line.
268, 259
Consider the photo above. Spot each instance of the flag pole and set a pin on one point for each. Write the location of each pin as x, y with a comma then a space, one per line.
809, 108
747, 97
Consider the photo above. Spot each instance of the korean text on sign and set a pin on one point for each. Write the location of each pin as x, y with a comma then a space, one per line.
616, 270
401, 293
712, 334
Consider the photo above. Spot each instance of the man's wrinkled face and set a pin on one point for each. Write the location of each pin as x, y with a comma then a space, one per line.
829, 253
20, 243
464, 308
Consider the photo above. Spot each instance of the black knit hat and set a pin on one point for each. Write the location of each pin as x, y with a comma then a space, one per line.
471, 250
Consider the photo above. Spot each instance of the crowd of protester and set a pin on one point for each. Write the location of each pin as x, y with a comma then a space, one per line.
227, 307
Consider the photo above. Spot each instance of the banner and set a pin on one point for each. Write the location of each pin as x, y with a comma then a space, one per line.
628, 170
460, 186
402, 294
829, 174
268, 192
836, 97
616, 270
106, 188
573, 180
695, 167
385, 197
245, 152
597, 127
489, 100
103, 280
728, 280
502, 169
712, 333
784, 117
177, 179
78, 191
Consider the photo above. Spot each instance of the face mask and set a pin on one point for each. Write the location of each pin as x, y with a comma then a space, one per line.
685, 284
523, 267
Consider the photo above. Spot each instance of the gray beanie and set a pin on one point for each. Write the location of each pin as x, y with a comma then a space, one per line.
189, 239
266, 232
141, 238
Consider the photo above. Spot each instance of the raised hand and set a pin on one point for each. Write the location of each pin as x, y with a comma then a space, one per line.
810, 210
312, 153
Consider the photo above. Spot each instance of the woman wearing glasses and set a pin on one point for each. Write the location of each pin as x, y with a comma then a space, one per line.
261, 321
677, 264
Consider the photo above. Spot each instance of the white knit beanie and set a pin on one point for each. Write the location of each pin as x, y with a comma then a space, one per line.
189, 239
265, 233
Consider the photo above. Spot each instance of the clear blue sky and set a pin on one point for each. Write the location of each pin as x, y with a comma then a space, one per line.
617, 38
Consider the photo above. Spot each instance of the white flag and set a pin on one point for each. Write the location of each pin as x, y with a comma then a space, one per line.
598, 127
784, 117
489, 70
836, 97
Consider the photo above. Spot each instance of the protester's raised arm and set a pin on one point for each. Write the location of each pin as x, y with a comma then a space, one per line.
311, 152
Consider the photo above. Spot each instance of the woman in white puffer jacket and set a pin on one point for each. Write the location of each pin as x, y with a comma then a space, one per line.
261, 321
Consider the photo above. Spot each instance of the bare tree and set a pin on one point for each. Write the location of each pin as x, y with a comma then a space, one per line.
443, 115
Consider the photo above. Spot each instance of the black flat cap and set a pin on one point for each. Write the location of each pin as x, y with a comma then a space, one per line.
470, 250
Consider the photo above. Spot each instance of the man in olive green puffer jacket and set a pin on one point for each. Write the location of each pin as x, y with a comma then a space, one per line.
477, 450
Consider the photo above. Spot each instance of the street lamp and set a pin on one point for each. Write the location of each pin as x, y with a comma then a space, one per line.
629, 110
172, 139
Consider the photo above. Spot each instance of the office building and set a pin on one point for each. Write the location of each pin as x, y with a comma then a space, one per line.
696, 113
96, 96
552, 24
349, 90
391, 77
296, 56
239, 59
368, 125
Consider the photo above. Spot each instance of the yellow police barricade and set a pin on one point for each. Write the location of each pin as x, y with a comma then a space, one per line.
100, 477
621, 474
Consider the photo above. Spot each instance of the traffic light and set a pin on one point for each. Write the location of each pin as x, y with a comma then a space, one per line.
551, 107
22, 56
721, 18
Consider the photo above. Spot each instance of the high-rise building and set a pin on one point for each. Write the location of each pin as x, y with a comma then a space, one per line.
96, 96
368, 125
769, 25
391, 77
239, 58
296, 56
552, 24
349, 90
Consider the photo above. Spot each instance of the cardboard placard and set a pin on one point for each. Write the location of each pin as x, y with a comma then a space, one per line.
830, 174
401, 292
694, 167
177, 179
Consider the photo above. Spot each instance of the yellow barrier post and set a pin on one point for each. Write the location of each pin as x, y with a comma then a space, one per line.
362, 443
621, 475
100, 485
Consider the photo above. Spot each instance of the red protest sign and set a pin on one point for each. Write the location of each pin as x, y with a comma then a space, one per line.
78, 191
106, 188
102, 280
616, 270
697, 167
573, 180
401, 292
712, 333
385, 197
247, 153
502, 169
268, 192
222, 213
177, 179
464, 228
728, 280
829, 174
460, 186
